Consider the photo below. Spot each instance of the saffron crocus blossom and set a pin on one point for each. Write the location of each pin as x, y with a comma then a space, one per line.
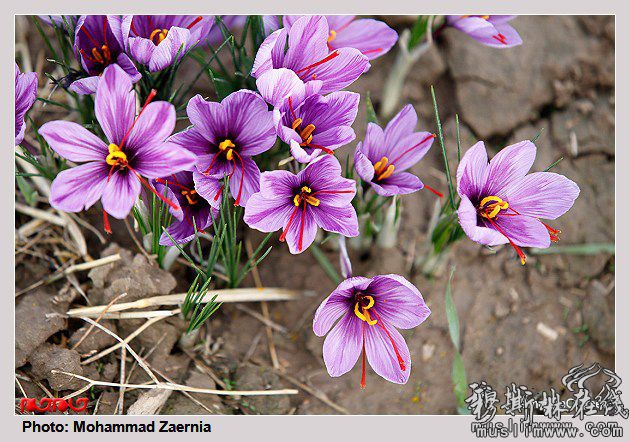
502, 203
193, 211
225, 136
308, 125
382, 158
308, 55
372, 37
25, 96
371, 311
491, 30
114, 171
317, 196
158, 41
98, 43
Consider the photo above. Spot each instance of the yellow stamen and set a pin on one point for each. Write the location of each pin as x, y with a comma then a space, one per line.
387, 173
311, 200
297, 199
230, 154
227, 143
97, 55
306, 134
379, 167
492, 210
364, 314
296, 123
306, 189
116, 155
191, 196
161, 35
332, 35
485, 17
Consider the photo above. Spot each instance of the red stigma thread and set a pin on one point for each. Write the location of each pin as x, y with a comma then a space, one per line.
439, 194
326, 59
106, 225
194, 22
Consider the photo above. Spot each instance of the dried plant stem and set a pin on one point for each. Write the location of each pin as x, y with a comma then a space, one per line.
226, 295
89, 330
43, 215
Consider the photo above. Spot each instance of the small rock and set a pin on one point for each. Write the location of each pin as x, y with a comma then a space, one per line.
51, 357
96, 340
598, 311
546, 331
427, 351
501, 310
251, 377
499, 351
34, 323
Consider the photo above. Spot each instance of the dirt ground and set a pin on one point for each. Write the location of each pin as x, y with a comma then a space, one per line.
526, 325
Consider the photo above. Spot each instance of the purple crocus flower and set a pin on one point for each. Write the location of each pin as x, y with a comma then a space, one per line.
25, 96
372, 37
382, 158
193, 211
308, 55
308, 125
98, 43
114, 171
225, 136
491, 30
371, 311
317, 196
158, 41
502, 203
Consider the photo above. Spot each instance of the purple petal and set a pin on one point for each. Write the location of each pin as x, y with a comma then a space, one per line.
401, 126
85, 86
208, 117
340, 110
344, 259
162, 159
263, 61
301, 155
130, 69
337, 304
471, 172
307, 42
278, 184
209, 188
302, 231
340, 71
544, 195
337, 22
191, 139
170, 50
343, 345
250, 121
511, 36
372, 37
524, 231
277, 85
374, 147
245, 181
342, 220
410, 150
398, 302
80, 187
141, 49
267, 214
120, 194
153, 126
467, 214
381, 355
73, 142
115, 103
363, 166
511, 163
400, 183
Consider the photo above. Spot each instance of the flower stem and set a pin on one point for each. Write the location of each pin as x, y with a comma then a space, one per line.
325, 263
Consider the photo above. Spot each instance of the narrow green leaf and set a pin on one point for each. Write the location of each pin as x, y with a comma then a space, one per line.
370, 113
554, 164
447, 169
326, 265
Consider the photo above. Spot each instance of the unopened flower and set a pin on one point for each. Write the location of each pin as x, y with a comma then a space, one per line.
317, 196
193, 211
310, 125
372, 37
114, 171
225, 136
98, 43
25, 96
369, 311
308, 55
491, 30
158, 41
502, 203
384, 156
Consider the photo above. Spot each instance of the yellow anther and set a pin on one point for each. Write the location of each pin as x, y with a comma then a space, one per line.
332, 35
360, 315
388, 172
492, 210
307, 134
226, 144
306, 189
160, 33
380, 165
296, 123
370, 303
191, 196
363, 313
116, 155
485, 17
311, 200
97, 55
230, 154
297, 199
